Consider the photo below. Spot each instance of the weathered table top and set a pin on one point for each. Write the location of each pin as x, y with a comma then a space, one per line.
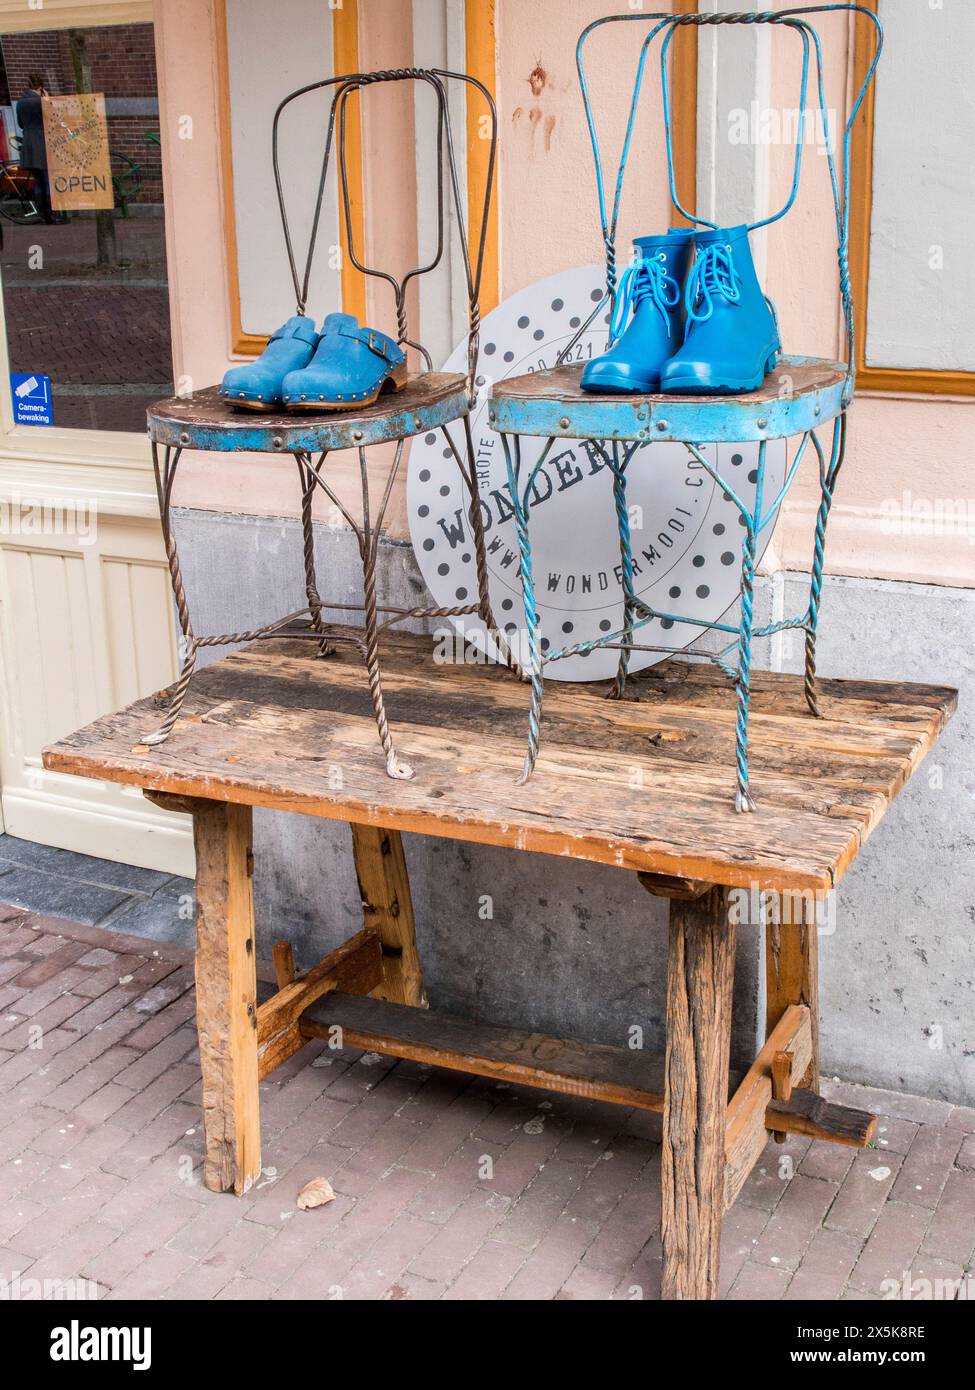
646, 783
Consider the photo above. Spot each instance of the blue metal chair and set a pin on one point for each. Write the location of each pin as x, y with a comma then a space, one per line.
802, 395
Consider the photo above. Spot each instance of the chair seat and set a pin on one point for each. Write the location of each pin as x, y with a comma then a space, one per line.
802, 393
204, 421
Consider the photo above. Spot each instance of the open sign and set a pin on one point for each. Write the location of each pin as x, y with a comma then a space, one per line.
76, 135
71, 184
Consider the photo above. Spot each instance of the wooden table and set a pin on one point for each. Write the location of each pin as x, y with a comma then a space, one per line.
644, 784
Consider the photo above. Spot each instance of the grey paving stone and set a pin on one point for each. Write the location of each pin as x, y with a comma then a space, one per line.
888, 1255
101, 1146
126, 878
60, 897
167, 916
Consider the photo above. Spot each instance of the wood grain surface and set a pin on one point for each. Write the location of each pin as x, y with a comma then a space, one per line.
646, 783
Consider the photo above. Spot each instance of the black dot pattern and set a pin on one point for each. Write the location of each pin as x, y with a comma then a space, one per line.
439, 505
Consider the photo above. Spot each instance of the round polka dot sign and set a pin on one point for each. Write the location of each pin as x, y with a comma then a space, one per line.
686, 534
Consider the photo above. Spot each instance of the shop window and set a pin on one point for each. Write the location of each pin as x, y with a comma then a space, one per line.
912, 202
85, 290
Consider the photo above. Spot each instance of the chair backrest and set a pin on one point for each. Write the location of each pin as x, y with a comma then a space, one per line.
793, 19
472, 251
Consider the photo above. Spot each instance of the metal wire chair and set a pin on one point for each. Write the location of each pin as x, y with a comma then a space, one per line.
433, 401
517, 409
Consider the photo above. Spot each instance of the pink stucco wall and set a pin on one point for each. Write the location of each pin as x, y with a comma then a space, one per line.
548, 221
548, 188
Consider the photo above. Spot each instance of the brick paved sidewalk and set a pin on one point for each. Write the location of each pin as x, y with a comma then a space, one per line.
447, 1186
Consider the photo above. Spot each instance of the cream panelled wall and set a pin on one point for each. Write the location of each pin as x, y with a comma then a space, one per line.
80, 628
86, 620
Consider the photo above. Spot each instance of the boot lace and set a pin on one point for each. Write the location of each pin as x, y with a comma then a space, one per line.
641, 280
713, 276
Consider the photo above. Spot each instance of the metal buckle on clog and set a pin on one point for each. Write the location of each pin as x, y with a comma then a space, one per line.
379, 344
370, 338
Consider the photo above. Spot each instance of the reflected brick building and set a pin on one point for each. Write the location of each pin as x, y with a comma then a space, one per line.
122, 62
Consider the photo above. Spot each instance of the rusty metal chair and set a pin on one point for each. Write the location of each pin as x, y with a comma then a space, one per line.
430, 401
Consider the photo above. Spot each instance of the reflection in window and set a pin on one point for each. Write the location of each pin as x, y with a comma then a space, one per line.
85, 292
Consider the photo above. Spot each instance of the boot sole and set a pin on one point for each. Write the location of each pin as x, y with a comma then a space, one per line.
259, 406
606, 388
692, 387
620, 387
394, 382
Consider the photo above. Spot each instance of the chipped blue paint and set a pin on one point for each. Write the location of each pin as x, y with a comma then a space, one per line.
203, 421
535, 405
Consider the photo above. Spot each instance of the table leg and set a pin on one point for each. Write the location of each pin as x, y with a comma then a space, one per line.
700, 975
792, 972
387, 906
226, 995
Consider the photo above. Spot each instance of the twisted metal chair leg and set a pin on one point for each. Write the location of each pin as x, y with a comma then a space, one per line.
534, 648
485, 610
827, 482
305, 467
743, 797
626, 560
179, 695
815, 591
165, 478
393, 765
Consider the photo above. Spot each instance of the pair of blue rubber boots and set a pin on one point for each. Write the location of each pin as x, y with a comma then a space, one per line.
344, 367
700, 323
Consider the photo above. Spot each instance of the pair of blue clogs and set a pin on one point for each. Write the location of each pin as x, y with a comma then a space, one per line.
700, 323
344, 367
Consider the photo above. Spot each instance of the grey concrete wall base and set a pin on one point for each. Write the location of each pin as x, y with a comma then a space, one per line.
898, 972
580, 950
569, 949
241, 571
